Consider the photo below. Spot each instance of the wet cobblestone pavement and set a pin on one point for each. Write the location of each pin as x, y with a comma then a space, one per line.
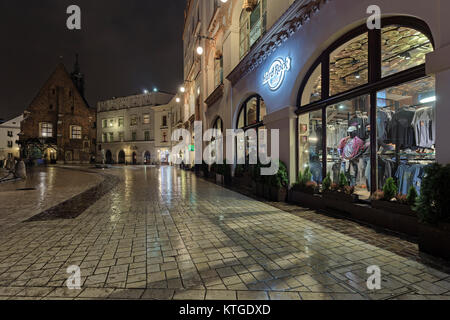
164, 234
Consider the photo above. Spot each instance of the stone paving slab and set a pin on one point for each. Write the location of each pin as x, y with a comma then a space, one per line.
163, 234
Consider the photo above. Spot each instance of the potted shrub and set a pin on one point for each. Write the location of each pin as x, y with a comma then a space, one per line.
433, 210
305, 191
389, 199
278, 184
341, 191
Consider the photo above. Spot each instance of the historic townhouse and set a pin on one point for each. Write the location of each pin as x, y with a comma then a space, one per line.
59, 126
136, 129
372, 103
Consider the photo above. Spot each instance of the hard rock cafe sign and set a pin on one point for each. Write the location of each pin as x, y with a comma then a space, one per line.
277, 73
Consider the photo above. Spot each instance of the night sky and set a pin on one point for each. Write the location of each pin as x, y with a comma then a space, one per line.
125, 46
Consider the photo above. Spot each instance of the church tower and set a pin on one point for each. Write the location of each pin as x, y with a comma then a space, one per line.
78, 77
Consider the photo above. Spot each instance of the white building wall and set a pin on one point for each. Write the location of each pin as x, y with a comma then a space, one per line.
128, 108
9, 133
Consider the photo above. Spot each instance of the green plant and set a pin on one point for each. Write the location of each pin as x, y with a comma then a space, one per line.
390, 189
412, 196
307, 176
299, 178
433, 205
280, 179
326, 183
343, 182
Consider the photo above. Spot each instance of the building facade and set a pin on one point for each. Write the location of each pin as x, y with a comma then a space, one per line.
368, 102
9, 137
59, 126
135, 129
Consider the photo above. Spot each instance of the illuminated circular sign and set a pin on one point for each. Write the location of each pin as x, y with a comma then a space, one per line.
277, 72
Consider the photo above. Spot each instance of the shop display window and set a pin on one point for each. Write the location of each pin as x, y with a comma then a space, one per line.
405, 126
406, 133
403, 48
348, 143
313, 89
311, 144
349, 65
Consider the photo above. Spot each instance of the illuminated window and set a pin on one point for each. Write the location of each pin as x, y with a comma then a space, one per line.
146, 119
46, 130
75, 132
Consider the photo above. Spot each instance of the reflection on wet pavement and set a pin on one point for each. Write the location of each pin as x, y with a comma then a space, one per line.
164, 234
47, 188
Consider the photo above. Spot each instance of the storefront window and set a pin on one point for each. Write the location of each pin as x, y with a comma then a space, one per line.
313, 89
406, 124
252, 112
251, 117
348, 143
402, 49
349, 65
310, 144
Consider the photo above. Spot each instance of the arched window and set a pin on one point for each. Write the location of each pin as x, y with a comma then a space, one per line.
251, 116
367, 108
252, 113
253, 23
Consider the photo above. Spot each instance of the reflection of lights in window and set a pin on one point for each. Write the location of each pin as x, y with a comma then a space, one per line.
357, 75
428, 100
313, 139
342, 107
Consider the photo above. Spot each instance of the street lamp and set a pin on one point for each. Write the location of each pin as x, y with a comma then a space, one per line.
178, 100
200, 49
182, 89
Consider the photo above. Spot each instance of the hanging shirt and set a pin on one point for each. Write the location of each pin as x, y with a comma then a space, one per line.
349, 148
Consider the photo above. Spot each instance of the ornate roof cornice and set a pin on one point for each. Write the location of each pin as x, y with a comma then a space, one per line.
299, 13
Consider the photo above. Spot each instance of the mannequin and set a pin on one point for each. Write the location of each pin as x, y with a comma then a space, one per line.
350, 149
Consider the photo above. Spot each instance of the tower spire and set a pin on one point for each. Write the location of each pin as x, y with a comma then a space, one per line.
77, 76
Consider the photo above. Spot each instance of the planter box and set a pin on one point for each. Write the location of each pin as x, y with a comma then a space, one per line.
393, 207
267, 192
278, 194
245, 181
309, 200
435, 240
340, 196
259, 189
220, 179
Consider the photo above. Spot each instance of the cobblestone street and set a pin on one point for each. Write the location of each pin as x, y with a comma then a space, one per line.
161, 233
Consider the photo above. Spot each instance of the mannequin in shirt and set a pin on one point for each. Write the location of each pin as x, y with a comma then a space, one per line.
350, 148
